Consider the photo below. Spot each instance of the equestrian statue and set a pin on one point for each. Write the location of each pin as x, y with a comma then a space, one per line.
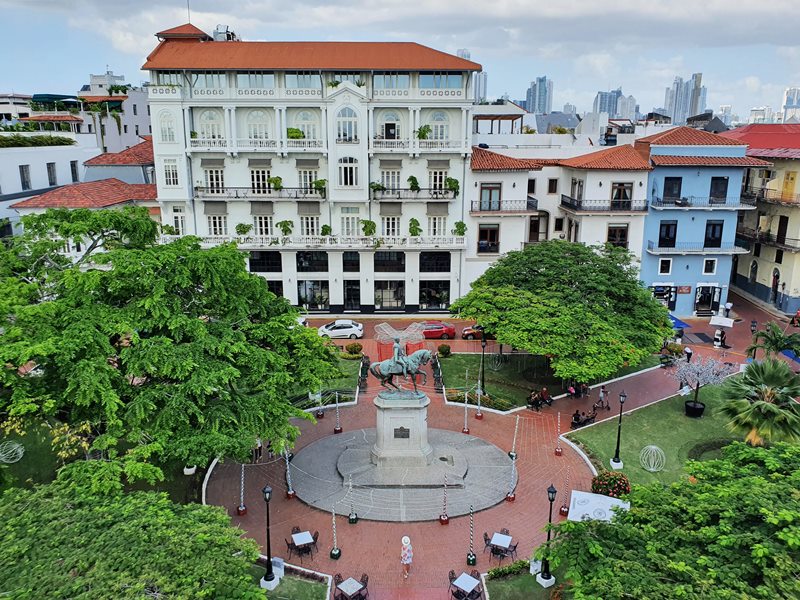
400, 363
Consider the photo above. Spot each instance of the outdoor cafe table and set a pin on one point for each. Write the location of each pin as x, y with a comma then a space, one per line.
302, 539
350, 587
466, 583
501, 540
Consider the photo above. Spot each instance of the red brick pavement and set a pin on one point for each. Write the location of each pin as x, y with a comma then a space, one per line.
374, 547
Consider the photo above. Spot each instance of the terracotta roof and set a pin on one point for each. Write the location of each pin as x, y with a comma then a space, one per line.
708, 161
324, 56
94, 99
140, 154
791, 153
765, 136
53, 118
688, 136
93, 194
616, 158
485, 160
185, 30
548, 162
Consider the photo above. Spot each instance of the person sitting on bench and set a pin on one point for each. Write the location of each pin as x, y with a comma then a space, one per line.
576, 417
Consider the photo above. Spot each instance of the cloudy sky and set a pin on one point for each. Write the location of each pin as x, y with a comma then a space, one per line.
747, 50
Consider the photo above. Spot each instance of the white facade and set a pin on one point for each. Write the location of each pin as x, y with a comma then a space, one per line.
14, 106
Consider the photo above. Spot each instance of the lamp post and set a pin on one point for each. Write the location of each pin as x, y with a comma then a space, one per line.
482, 381
616, 463
269, 576
753, 329
545, 578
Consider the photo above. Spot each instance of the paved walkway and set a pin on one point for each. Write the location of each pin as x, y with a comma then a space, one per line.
374, 547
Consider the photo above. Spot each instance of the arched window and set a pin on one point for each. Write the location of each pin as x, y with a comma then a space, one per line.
440, 126
210, 125
348, 172
257, 125
390, 126
167, 127
305, 122
753, 271
347, 126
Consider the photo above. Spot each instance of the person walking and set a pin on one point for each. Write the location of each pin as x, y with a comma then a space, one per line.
689, 353
406, 555
728, 307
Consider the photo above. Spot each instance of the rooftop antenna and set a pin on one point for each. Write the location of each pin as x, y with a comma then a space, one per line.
188, 11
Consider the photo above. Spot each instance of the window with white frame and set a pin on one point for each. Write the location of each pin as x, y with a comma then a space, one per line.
178, 220
390, 126
52, 178
440, 126
353, 78
257, 125
350, 220
170, 172
262, 224
303, 80
390, 226
436, 179
214, 180
709, 266
391, 81
440, 81
306, 123
167, 127
217, 224
348, 172
259, 181
168, 78
307, 178
209, 80
255, 80
390, 179
210, 127
665, 266
346, 126
309, 225
437, 226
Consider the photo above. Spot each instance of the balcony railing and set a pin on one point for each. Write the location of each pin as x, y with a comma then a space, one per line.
702, 202
332, 241
776, 196
208, 143
409, 194
738, 247
390, 144
257, 143
603, 205
304, 143
439, 144
505, 206
249, 193
770, 239
347, 140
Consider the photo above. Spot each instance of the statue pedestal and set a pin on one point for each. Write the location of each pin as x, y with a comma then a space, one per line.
401, 439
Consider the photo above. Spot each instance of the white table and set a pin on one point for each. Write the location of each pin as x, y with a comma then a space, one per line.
350, 587
466, 583
303, 538
501, 540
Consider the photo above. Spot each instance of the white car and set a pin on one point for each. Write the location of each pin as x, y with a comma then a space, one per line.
342, 328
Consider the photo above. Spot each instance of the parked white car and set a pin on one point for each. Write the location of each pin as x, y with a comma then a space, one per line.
342, 328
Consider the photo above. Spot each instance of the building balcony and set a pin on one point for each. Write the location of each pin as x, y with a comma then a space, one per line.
770, 196
304, 144
768, 239
480, 207
581, 205
256, 144
212, 144
398, 145
165, 92
421, 195
250, 193
738, 247
440, 145
703, 202
332, 242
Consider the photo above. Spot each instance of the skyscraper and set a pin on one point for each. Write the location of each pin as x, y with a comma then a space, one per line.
539, 98
685, 98
479, 80
626, 108
570, 109
607, 102
463, 53
791, 103
725, 114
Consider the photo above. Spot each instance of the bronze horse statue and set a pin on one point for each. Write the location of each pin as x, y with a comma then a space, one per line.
385, 370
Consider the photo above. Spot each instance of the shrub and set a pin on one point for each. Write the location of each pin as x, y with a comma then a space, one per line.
444, 350
24, 141
675, 349
515, 568
611, 483
348, 356
354, 348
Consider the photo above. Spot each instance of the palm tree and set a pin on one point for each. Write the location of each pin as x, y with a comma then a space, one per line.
761, 403
774, 341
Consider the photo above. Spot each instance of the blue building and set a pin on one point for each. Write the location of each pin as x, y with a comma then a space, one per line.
694, 199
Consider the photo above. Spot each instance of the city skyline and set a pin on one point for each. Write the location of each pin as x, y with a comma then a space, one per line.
642, 60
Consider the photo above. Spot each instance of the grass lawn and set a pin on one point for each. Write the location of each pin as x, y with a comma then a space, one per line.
292, 587
521, 587
349, 380
664, 425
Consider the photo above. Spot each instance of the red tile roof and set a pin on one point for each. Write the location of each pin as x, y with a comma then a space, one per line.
485, 160
93, 194
185, 30
616, 158
791, 153
324, 56
688, 136
708, 161
780, 140
53, 118
94, 99
140, 154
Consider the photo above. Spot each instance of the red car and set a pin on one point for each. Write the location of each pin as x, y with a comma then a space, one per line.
439, 330
470, 333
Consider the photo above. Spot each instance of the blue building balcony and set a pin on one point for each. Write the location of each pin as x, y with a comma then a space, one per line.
737, 247
703, 202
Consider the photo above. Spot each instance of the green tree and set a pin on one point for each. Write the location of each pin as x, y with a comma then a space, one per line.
729, 531
761, 403
773, 340
582, 306
58, 542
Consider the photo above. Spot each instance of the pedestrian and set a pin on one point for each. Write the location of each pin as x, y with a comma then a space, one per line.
689, 353
728, 307
584, 390
406, 555
258, 450
722, 341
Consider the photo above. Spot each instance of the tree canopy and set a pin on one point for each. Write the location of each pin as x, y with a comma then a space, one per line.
582, 306
732, 530
56, 542
147, 352
773, 340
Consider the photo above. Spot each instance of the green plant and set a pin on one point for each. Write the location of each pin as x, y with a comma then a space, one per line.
528, 130
319, 186
275, 183
368, 227
168, 229
325, 230
117, 116
423, 132
460, 228
285, 227
243, 228
361, 83
293, 133
334, 83
674, 349
414, 228
444, 350
452, 185
193, 135
23, 141
413, 184
611, 483
515, 568
377, 187
354, 348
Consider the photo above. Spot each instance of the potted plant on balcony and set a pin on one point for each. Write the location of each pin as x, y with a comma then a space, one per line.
368, 227
423, 132
460, 229
361, 83
319, 186
275, 183
286, 229
376, 187
325, 230
414, 228
242, 229
293, 133
193, 135
452, 185
334, 83
413, 183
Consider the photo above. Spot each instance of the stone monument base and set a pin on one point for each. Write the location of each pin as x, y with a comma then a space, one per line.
401, 440
447, 460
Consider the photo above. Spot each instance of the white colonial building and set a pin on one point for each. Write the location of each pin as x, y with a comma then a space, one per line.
339, 166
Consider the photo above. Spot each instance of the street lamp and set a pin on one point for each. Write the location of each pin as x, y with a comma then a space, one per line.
753, 326
544, 578
269, 576
616, 463
482, 383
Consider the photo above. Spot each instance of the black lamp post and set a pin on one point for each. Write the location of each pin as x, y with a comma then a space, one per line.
551, 496
269, 575
616, 463
753, 329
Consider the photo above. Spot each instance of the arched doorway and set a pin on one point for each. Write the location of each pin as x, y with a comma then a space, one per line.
776, 279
